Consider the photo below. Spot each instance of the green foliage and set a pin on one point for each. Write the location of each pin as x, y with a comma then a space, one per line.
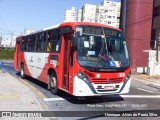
6, 54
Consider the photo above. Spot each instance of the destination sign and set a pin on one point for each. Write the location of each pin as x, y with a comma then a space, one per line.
99, 31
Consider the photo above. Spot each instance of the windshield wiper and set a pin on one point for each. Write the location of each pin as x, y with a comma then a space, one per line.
104, 43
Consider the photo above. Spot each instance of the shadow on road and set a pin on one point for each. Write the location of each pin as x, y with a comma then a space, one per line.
34, 81
91, 99
73, 99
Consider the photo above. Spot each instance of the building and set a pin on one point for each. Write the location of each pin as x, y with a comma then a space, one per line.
10, 41
79, 15
156, 24
88, 13
138, 27
108, 12
6, 42
107, 15
112, 12
70, 15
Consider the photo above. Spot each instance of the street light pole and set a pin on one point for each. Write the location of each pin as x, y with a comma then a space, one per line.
11, 40
0, 40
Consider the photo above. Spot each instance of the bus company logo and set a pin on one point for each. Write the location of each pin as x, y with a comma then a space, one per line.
6, 114
108, 81
31, 60
39, 59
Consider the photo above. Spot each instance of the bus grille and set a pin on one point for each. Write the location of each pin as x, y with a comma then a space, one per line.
107, 81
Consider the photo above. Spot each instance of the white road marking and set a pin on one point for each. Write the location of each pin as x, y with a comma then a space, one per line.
145, 90
140, 96
52, 99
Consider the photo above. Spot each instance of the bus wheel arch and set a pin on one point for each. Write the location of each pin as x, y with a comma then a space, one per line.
52, 81
22, 73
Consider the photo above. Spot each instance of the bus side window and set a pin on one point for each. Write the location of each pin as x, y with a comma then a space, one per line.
41, 42
54, 42
24, 44
31, 43
49, 40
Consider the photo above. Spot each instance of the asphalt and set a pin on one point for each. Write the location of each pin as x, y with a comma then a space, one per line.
146, 79
16, 96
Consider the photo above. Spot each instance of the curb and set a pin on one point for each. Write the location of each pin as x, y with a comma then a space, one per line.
39, 95
39, 100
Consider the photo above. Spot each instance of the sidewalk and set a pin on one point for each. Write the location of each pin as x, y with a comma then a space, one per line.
15, 96
153, 80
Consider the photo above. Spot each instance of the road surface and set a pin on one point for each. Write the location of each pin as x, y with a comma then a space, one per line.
140, 97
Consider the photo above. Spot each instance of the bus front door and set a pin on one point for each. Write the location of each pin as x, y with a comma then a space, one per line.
16, 56
67, 68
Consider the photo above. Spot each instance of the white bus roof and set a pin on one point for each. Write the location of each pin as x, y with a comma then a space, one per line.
51, 27
44, 29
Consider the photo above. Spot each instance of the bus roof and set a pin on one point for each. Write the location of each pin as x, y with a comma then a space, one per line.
71, 24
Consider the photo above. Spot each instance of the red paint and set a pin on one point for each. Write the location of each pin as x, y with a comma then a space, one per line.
70, 70
138, 30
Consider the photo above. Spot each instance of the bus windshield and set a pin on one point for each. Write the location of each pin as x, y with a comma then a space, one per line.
101, 49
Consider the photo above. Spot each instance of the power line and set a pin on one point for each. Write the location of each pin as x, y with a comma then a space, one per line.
3, 22
5, 30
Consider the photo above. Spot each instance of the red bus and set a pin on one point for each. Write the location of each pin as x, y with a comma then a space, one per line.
80, 58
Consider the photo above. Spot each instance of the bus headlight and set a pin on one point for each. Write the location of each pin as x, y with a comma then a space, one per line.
82, 77
128, 76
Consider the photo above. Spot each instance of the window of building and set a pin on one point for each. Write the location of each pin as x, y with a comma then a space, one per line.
109, 22
156, 11
118, 17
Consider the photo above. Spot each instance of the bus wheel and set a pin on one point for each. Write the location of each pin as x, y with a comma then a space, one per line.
53, 84
22, 74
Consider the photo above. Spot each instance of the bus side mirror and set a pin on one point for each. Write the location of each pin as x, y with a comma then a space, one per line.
74, 41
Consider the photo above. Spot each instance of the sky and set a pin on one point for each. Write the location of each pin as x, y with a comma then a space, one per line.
17, 15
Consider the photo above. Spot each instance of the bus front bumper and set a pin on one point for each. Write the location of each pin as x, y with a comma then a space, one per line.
82, 88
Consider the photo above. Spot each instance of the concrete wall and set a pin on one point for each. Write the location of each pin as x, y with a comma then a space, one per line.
153, 64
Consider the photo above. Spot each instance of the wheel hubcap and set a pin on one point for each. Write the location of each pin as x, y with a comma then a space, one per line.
22, 72
53, 82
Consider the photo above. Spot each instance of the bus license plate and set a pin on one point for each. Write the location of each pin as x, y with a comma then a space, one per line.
108, 87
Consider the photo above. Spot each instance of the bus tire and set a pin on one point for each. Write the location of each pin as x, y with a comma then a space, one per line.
53, 83
22, 74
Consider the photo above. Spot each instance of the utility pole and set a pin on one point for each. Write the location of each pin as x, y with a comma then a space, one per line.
123, 15
158, 46
0, 40
11, 40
